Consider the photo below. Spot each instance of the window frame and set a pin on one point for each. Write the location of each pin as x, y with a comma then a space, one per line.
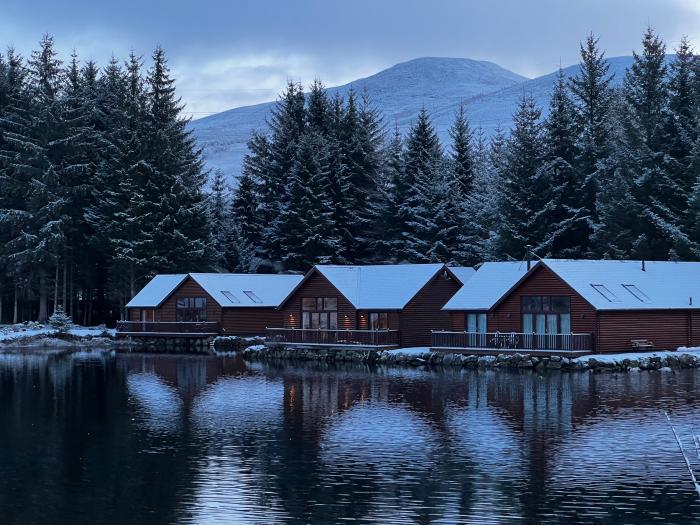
540, 320
191, 309
314, 316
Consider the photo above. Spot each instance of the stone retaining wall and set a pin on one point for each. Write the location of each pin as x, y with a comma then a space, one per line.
663, 362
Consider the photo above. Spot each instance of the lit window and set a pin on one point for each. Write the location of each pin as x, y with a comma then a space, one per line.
252, 296
636, 292
606, 293
230, 296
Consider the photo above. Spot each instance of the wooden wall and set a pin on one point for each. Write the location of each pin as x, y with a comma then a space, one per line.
189, 288
318, 286
506, 316
250, 321
424, 312
667, 329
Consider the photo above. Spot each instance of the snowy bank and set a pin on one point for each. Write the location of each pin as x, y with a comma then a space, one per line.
37, 335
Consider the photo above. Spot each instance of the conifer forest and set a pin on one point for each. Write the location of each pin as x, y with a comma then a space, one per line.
102, 184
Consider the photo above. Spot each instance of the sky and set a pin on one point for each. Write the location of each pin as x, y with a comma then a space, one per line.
230, 53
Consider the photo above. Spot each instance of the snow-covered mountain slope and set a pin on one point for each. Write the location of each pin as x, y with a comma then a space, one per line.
489, 92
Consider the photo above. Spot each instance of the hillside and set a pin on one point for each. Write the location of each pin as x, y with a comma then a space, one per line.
489, 92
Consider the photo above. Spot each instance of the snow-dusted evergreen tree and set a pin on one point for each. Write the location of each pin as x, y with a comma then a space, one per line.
287, 124
422, 168
592, 96
219, 217
520, 204
242, 241
562, 222
645, 94
306, 221
461, 153
173, 165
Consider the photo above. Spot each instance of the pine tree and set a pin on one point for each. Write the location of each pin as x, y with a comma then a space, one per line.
645, 95
592, 95
422, 161
461, 154
520, 203
218, 216
562, 222
244, 226
305, 223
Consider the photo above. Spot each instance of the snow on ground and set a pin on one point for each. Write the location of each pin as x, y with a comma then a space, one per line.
9, 333
414, 351
616, 358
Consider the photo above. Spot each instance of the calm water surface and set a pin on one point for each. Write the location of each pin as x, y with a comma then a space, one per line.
104, 438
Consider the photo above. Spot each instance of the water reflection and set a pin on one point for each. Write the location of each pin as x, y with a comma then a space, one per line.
184, 439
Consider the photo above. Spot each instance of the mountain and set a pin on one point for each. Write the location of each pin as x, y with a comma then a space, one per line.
489, 93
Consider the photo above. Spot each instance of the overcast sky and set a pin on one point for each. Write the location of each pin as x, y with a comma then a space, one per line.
228, 53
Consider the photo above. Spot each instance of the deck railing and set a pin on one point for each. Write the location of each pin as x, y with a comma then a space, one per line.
166, 327
333, 337
512, 341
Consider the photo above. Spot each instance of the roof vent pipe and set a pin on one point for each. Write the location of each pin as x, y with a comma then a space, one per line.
690, 300
528, 255
644, 266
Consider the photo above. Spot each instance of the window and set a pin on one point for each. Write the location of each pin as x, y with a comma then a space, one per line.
190, 309
476, 322
605, 292
230, 296
378, 321
636, 292
252, 296
546, 314
319, 313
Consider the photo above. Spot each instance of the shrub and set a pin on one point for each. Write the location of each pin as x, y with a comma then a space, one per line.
60, 321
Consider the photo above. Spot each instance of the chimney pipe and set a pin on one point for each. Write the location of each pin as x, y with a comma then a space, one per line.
528, 255
644, 266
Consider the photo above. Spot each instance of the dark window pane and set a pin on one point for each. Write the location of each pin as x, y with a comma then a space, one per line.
531, 303
334, 321
181, 302
314, 320
306, 320
323, 321
561, 304
319, 304
545, 303
330, 303
308, 304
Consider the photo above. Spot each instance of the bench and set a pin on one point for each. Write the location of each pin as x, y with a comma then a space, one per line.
642, 344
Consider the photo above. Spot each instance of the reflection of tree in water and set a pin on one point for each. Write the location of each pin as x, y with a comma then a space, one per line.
69, 452
164, 439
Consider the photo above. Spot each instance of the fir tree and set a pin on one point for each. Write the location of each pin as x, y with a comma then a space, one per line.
461, 154
519, 204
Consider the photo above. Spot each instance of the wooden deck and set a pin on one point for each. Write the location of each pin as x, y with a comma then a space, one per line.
376, 339
496, 343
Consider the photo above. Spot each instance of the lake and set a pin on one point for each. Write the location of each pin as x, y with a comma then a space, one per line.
112, 438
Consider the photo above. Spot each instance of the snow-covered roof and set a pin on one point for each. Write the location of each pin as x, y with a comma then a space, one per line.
463, 273
246, 290
156, 290
487, 285
227, 289
623, 285
382, 286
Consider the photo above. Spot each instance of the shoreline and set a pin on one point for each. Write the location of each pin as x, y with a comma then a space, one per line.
664, 361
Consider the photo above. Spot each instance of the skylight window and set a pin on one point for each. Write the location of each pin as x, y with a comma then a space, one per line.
605, 292
230, 296
636, 292
252, 296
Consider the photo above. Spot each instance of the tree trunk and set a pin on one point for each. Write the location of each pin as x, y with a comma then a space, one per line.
64, 300
55, 288
43, 297
71, 293
1, 308
15, 310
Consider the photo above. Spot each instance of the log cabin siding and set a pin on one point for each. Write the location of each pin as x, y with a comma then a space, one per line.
424, 312
667, 329
318, 286
457, 321
249, 321
506, 316
189, 288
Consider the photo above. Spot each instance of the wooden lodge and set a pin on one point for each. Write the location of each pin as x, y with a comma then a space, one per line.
576, 307
377, 306
201, 305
